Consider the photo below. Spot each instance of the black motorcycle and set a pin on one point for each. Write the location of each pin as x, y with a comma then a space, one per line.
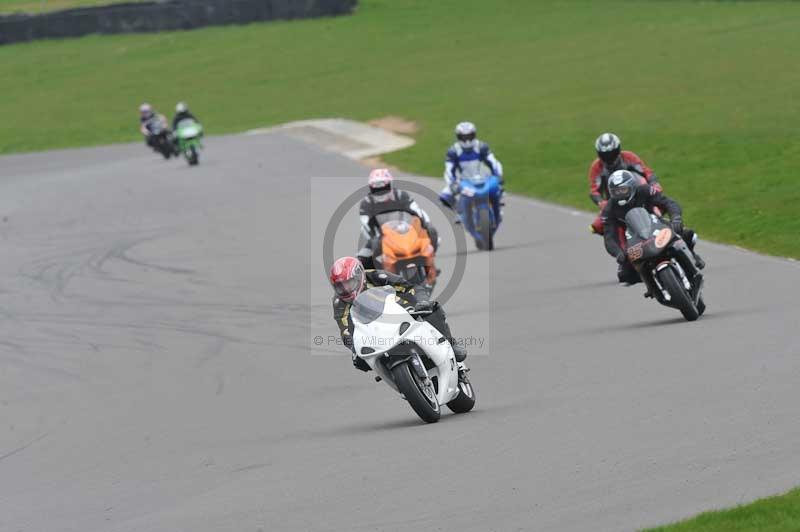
665, 263
161, 139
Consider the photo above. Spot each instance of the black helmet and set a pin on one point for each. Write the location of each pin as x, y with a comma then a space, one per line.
622, 186
608, 148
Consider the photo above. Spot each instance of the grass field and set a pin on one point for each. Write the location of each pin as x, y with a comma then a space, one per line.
705, 92
40, 6
773, 514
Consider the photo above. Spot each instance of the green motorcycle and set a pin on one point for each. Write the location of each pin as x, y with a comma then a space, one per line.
187, 136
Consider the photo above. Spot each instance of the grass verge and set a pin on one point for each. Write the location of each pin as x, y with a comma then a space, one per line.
774, 514
703, 91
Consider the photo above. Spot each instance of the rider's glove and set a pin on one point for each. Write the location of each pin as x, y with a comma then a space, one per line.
425, 306
602, 204
621, 258
677, 225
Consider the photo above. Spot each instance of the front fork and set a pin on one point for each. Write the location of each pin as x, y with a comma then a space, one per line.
685, 257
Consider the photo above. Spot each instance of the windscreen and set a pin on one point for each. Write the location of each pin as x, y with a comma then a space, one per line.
476, 178
399, 221
369, 304
639, 223
186, 122
397, 218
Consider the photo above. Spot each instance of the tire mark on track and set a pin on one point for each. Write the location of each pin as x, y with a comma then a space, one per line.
21, 448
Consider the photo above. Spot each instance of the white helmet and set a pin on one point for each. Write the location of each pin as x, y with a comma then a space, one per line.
181, 107
466, 133
145, 110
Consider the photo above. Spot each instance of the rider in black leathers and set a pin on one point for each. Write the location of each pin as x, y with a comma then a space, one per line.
383, 198
626, 192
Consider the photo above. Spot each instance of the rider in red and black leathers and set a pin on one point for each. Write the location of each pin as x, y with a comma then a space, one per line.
610, 159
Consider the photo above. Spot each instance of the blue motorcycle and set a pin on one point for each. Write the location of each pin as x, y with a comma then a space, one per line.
479, 208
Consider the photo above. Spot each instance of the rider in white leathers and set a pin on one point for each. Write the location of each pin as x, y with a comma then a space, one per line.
465, 158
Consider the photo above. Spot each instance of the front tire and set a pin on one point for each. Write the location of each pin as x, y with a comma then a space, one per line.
192, 156
426, 407
486, 230
680, 297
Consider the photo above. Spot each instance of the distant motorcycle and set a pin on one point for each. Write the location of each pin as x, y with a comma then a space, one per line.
478, 208
409, 354
662, 259
161, 139
187, 137
404, 247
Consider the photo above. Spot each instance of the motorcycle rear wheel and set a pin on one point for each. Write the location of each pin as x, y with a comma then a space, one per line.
427, 408
465, 400
192, 156
680, 297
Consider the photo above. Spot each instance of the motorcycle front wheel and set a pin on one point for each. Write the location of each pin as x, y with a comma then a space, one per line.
680, 297
422, 398
486, 230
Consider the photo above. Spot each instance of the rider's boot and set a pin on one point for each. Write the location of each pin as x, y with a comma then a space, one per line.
699, 262
691, 240
462, 371
651, 288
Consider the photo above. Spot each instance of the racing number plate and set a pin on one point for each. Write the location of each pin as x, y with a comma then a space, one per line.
635, 252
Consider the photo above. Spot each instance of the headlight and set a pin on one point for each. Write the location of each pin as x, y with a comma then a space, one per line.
663, 237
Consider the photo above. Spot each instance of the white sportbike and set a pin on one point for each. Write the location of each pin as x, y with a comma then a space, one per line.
409, 354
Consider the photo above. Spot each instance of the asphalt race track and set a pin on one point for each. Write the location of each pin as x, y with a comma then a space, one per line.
158, 373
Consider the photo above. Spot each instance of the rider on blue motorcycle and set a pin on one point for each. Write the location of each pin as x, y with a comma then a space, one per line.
464, 158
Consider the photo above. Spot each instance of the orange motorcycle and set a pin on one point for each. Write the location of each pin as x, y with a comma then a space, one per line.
405, 248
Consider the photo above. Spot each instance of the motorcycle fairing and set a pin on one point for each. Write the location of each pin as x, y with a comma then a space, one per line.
377, 324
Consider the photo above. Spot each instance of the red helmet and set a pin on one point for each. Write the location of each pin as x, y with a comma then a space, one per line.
380, 181
347, 278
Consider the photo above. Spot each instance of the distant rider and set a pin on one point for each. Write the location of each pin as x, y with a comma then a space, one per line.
464, 158
625, 193
348, 278
147, 119
182, 113
383, 198
611, 158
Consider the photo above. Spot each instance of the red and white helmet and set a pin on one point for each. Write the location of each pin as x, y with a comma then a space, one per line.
380, 181
347, 278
